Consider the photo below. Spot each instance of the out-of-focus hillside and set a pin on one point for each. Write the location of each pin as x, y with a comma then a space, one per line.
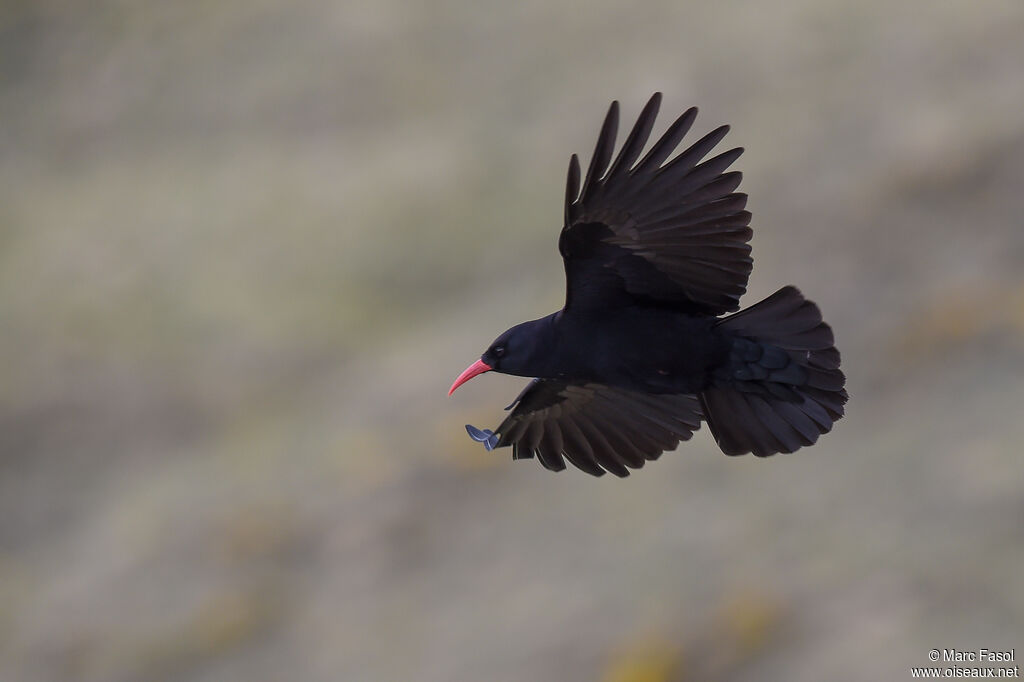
245, 248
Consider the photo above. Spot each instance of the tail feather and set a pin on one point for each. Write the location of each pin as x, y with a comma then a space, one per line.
781, 387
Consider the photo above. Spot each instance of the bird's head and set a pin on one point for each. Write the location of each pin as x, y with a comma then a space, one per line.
517, 351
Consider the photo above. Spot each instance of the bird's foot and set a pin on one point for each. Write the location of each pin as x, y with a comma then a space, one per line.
485, 436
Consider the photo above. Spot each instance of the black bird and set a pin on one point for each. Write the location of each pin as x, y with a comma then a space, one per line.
655, 253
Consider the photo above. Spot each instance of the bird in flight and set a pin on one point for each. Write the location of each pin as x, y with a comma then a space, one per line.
656, 258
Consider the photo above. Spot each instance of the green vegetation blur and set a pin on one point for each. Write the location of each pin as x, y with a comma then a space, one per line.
245, 247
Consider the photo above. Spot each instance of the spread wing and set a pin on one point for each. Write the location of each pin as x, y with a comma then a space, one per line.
674, 234
597, 428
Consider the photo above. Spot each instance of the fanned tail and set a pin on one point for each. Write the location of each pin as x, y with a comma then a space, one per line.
781, 387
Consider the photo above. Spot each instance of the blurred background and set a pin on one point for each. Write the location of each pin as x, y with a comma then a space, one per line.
245, 247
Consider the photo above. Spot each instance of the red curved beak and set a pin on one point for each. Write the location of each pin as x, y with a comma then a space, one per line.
478, 367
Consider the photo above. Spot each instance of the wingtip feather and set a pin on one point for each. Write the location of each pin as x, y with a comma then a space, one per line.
603, 149
572, 187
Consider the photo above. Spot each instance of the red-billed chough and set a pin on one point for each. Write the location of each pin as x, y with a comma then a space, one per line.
656, 252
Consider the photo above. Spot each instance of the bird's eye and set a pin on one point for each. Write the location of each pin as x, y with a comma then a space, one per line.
499, 351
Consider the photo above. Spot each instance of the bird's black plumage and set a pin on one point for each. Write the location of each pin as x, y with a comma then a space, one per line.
655, 251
